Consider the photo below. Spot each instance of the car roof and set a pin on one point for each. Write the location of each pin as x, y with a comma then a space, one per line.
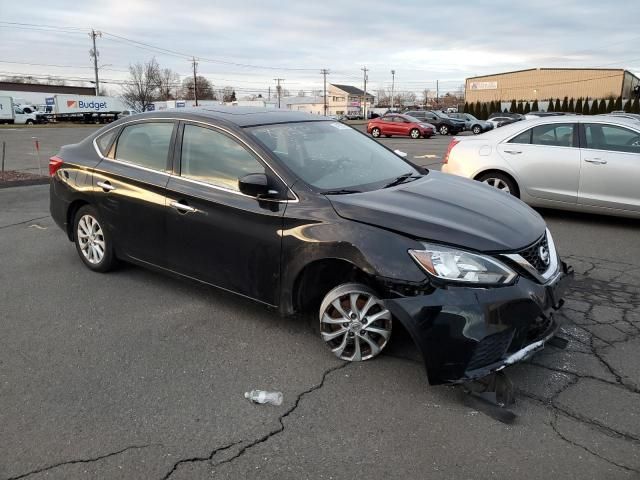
239, 116
522, 125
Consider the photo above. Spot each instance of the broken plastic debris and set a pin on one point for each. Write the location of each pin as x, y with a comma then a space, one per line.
260, 396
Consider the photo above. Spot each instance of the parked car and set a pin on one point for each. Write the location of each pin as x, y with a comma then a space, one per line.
472, 124
443, 123
632, 116
575, 162
402, 125
309, 215
501, 119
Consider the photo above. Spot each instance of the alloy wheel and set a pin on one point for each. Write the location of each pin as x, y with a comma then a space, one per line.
476, 130
354, 322
444, 130
375, 132
415, 133
497, 183
91, 239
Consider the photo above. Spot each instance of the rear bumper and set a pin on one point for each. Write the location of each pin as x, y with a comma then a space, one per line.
467, 333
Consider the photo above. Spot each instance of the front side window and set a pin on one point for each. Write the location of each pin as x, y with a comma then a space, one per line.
330, 155
145, 144
554, 135
611, 137
213, 157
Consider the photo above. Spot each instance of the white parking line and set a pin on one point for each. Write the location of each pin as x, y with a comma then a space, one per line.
428, 155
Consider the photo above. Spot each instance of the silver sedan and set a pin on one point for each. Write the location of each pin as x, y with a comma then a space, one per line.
585, 163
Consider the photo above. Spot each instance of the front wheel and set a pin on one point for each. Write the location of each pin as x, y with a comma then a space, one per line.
93, 243
375, 132
415, 133
444, 130
499, 181
354, 322
476, 130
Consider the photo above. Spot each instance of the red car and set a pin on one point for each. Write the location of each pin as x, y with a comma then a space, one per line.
398, 124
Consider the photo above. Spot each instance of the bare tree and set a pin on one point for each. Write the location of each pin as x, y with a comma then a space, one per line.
142, 87
205, 89
228, 94
168, 82
384, 98
425, 96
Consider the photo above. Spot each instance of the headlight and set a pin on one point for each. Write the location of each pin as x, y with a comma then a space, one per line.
455, 265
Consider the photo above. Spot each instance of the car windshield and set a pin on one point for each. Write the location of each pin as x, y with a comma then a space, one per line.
440, 114
331, 155
470, 117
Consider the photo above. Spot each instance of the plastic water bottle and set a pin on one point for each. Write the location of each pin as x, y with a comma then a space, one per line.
260, 396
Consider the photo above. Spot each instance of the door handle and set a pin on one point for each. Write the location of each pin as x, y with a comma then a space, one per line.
106, 186
597, 161
182, 207
513, 152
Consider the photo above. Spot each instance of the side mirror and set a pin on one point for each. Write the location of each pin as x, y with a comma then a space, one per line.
256, 185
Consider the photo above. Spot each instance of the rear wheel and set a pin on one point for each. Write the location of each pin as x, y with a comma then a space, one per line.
354, 322
92, 242
444, 130
29, 122
499, 181
375, 132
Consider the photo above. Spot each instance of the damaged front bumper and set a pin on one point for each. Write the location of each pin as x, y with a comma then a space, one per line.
467, 333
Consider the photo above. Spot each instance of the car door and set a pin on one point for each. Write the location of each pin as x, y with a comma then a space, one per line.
546, 160
129, 189
403, 126
610, 173
215, 233
385, 124
432, 119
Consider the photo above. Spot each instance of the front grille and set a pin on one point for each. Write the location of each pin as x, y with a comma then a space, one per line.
491, 349
532, 254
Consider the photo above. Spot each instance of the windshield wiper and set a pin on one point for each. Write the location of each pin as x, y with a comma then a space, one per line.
401, 179
340, 191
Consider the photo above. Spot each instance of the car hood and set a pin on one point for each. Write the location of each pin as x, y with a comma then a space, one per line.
447, 209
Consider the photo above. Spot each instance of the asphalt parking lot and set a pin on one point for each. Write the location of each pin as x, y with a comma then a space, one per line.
133, 374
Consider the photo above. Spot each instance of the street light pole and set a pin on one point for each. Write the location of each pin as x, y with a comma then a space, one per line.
393, 81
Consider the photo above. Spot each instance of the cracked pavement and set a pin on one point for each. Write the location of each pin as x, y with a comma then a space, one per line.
138, 375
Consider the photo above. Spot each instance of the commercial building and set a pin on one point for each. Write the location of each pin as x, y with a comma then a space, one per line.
544, 83
36, 93
341, 100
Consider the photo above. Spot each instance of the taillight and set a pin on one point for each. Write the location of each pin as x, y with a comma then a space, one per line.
55, 163
452, 144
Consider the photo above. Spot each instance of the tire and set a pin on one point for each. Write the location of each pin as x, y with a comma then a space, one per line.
444, 130
414, 133
501, 182
375, 132
476, 130
91, 238
354, 322
29, 122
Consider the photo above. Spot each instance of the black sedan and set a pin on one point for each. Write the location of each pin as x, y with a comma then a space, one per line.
306, 214
444, 124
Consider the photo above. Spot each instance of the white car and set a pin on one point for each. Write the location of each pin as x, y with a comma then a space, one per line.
587, 163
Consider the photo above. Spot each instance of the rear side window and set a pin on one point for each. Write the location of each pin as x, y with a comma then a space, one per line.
522, 138
213, 157
613, 138
105, 140
555, 135
145, 144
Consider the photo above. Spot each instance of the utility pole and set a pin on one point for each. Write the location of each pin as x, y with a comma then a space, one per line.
94, 54
437, 94
324, 73
393, 81
278, 88
195, 80
364, 95
269, 93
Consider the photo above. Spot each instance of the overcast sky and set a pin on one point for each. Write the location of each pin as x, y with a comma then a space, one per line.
422, 41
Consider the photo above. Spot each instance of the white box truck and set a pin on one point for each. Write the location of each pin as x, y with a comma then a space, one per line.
11, 113
86, 108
